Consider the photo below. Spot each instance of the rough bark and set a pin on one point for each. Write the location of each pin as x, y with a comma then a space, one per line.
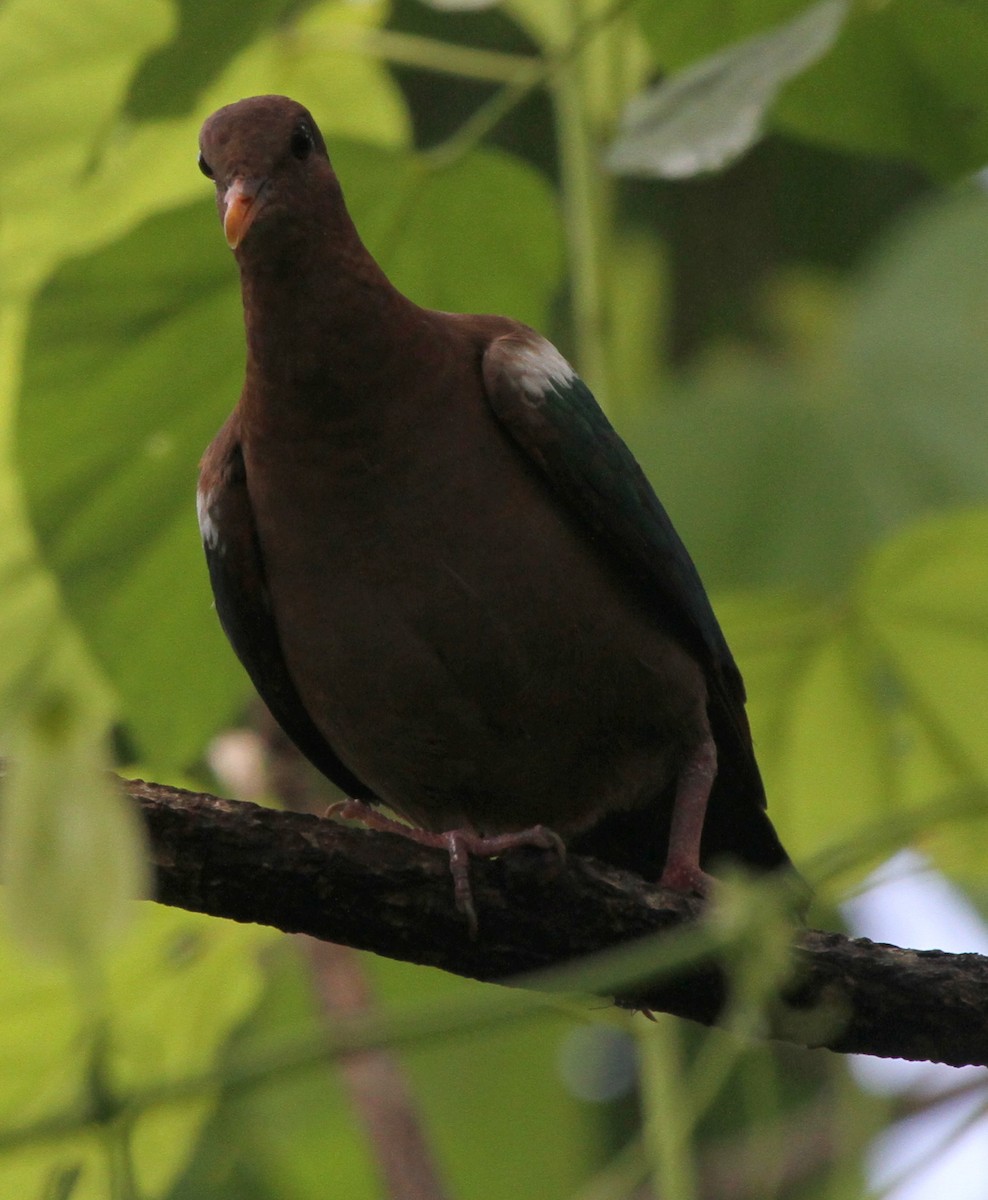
380, 892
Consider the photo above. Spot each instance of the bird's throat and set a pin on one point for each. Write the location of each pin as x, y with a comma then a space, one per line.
320, 326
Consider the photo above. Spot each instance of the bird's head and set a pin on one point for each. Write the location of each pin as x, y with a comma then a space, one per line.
267, 158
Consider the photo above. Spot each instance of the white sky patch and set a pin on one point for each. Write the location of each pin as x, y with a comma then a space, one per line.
923, 1157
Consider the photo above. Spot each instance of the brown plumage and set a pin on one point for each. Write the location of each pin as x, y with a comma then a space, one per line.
443, 570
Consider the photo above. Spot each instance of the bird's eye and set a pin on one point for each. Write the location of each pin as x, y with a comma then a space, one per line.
204, 166
301, 143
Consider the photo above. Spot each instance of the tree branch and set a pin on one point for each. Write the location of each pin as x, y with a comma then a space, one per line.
380, 892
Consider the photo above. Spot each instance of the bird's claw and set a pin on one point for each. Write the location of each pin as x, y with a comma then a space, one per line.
687, 878
462, 843
459, 844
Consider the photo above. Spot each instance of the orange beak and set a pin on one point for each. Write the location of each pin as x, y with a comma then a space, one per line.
239, 210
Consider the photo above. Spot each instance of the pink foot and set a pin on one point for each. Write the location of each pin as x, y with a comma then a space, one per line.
681, 875
460, 844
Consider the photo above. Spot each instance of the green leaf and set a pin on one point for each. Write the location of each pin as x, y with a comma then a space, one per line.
482, 235
41, 649
508, 1082
72, 854
116, 412
870, 702
65, 70
285, 1140
208, 35
707, 115
903, 81
926, 600
175, 991
317, 58
787, 472
822, 749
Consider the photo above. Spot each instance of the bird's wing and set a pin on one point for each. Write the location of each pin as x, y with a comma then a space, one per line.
553, 417
236, 571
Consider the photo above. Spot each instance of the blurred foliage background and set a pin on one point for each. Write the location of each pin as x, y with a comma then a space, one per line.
758, 229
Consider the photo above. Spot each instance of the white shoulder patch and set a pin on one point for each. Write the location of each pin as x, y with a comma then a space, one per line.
538, 367
207, 526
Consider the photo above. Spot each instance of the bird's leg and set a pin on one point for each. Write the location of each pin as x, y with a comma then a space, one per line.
682, 872
459, 844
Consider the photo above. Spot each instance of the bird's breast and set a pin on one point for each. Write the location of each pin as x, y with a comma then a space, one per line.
461, 644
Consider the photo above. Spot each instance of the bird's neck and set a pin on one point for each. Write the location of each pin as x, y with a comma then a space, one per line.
323, 322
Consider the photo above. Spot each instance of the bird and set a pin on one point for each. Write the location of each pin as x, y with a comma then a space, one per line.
443, 570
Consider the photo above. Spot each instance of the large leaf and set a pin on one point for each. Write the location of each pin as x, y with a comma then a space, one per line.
174, 994
65, 69
904, 80
317, 59
133, 355
207, 36
73, 855
783, 472
482, 235
871, 702
710, 113
478, 1097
